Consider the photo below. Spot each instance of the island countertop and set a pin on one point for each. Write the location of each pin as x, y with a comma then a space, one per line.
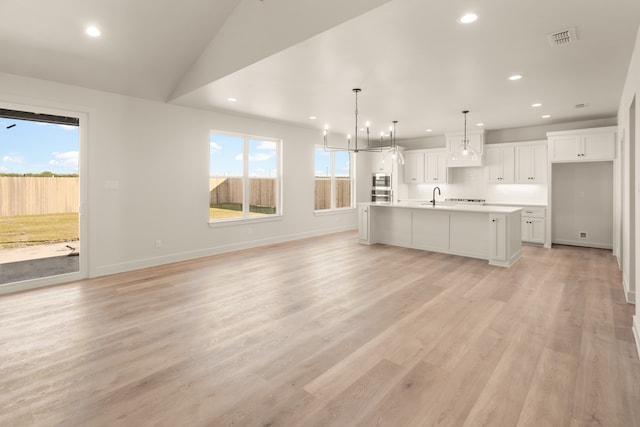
447, 207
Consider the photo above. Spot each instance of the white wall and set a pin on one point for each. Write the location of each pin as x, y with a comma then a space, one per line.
631, 90
583, 202
158, 153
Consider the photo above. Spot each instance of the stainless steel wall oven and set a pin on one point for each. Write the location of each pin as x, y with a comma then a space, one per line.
381, 190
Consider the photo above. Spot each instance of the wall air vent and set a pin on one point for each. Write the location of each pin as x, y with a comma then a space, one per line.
563, 37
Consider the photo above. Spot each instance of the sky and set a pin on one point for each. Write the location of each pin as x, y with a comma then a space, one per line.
35, 147
227, 158
323, 162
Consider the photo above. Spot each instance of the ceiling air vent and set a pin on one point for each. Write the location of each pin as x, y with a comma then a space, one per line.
562, 37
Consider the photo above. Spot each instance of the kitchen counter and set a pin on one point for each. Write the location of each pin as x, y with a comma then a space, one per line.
478, 231
448, 207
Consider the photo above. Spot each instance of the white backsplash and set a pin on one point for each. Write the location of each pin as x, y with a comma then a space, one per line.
471, 183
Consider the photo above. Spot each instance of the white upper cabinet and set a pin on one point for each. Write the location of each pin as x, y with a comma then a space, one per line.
499, 163
531, 163
381, 162
436, 167
582, 145
414, 167
425, 166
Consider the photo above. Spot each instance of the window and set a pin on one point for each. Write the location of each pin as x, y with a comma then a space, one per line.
333, 180
244, 177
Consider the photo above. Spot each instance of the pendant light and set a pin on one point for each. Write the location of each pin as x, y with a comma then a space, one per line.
466, 149
396, 155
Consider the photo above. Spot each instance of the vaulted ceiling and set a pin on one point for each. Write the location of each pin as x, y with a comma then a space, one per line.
288, 60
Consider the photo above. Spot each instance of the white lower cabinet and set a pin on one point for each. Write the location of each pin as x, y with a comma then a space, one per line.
534, 225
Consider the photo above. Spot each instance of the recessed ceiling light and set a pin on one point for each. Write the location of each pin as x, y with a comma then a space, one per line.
479, 124
468, 18
312, 117
232, 99
515, 77
429, 130
546, 116
93, 31
537, 104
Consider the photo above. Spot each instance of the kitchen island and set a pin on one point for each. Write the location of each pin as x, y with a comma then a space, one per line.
486, 232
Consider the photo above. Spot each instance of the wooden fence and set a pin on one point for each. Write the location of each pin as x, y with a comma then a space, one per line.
38, 195
229, 190
323, 193
263, 192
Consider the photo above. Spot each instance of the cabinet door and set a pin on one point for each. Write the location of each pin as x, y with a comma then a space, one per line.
443, 171
599, 146
565, 148
494, 164
500, 165
498, 237
539, 163
431, 168
533, 230
537, 227
531, 164
414, 168
381, 162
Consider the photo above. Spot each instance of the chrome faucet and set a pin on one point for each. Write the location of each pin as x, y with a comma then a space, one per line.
434, 195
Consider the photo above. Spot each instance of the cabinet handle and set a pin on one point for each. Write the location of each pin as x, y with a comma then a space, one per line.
493, 220
435, 179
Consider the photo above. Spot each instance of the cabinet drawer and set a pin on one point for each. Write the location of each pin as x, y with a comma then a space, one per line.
533, 212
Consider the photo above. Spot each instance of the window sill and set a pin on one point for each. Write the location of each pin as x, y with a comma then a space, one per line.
243, 221
334, 211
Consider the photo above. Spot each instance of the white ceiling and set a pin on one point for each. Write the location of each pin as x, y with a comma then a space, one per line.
290, 59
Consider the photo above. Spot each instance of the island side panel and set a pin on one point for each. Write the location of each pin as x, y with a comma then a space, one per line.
390, 226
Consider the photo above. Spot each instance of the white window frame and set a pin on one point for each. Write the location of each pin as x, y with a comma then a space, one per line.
352, 186
246, 180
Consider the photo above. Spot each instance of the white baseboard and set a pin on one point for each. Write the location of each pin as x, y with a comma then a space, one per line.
184, 256
41, 282
629, 295
583, 243
636, 332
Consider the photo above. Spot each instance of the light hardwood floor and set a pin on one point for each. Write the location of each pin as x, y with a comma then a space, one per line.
327, 332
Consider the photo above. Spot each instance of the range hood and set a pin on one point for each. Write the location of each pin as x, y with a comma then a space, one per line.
465, 153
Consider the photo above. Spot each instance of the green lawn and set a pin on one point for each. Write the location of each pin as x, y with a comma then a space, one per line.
30, 230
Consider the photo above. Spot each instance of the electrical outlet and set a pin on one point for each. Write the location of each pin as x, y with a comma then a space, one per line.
158, 243
583, 234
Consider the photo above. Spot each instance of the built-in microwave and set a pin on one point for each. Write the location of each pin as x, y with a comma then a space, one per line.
381, 180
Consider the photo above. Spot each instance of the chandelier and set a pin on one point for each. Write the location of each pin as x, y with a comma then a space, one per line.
355, 148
